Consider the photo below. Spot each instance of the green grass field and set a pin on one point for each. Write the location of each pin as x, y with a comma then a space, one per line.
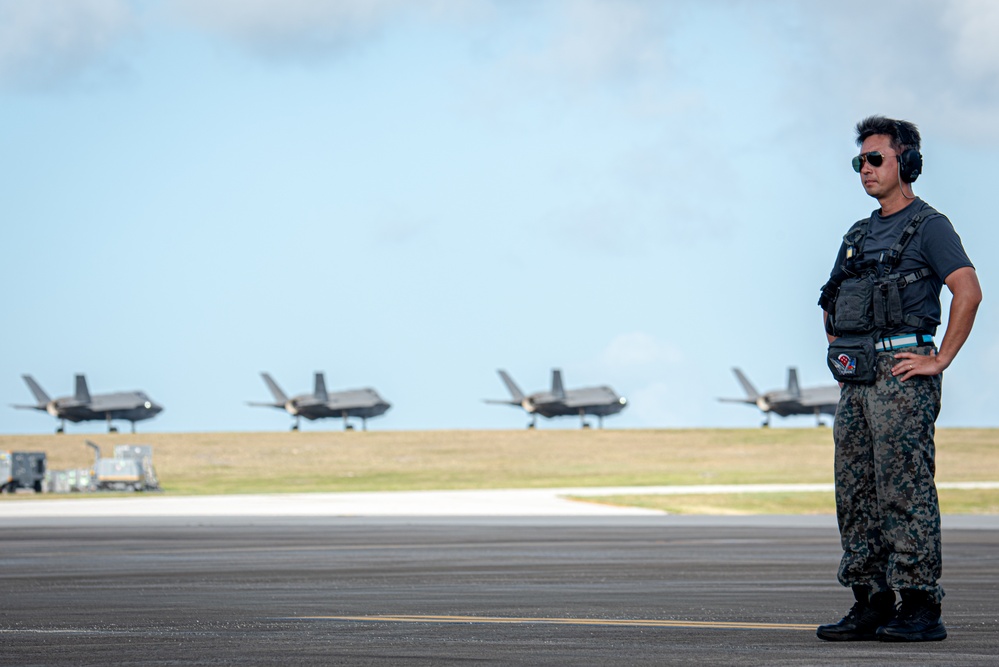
213, 463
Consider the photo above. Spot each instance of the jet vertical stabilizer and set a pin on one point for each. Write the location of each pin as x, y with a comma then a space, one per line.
279, 397
747, 386
558, 391
792, 383
39, 393
320, 392
82, 392
512, 387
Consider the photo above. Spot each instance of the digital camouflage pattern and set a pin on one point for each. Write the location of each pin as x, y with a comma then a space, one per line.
886, 499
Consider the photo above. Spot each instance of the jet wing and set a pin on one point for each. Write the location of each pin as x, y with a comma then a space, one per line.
820, 396
815, 402
582, 398
117, 401
352, 398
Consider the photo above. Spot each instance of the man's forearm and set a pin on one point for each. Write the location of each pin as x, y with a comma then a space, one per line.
959, 324
963, 283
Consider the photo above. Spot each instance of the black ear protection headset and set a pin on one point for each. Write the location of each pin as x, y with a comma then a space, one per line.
910, 162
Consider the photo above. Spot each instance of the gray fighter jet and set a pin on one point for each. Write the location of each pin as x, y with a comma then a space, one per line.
131, 406
791, 401
559, 402
321, 404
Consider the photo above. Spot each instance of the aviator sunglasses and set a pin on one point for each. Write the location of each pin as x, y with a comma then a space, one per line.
874, 157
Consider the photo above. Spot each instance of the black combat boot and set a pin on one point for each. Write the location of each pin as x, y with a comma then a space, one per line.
868, 614
918, 619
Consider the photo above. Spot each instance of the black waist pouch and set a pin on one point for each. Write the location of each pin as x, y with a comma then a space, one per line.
853, 359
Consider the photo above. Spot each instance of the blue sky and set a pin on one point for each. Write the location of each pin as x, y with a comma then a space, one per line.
409, 196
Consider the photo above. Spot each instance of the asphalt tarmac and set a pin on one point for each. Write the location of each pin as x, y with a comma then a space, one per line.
439, 590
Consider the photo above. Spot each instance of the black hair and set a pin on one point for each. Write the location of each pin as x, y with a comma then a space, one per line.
903, 134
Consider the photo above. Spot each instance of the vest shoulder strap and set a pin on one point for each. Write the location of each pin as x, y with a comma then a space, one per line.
893, 255
854, 238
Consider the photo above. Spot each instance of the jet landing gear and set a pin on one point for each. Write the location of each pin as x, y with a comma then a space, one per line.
585, 424
347, 426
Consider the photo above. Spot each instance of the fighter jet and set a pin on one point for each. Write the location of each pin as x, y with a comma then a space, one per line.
598, 401
791, 401
320, 404
131, 406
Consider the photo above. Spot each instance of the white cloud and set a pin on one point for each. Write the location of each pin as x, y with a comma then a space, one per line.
602, 40
974, 25
44, 45
307, 30
292, 29
589, 40
933, 62
567, 50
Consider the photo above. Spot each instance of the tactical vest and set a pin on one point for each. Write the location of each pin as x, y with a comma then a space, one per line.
864, 295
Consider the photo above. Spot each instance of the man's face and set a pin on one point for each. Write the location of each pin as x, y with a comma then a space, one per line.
878, 182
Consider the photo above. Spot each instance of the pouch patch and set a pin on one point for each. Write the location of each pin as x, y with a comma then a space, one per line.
853, 359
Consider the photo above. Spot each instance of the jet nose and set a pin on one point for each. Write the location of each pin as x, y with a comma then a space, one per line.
153, 407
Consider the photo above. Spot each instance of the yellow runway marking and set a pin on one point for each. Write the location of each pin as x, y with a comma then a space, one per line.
717, 625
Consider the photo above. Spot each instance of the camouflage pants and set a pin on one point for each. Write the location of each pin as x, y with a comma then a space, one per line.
886, 499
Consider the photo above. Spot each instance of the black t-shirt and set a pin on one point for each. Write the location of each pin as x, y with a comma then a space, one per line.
935, 245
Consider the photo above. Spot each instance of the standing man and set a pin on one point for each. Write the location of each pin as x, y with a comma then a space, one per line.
882, 308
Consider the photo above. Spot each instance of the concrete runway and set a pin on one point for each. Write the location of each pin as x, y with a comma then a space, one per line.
431, 590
